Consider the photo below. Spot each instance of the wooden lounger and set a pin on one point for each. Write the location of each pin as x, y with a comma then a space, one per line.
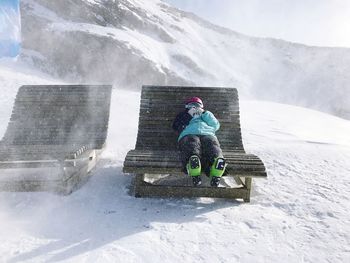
54, 137
156, 150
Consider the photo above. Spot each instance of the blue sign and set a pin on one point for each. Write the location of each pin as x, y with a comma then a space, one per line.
10, 28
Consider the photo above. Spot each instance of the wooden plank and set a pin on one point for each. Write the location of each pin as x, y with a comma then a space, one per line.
29, 164
165, 161
222, 113
179, 101
25, 89
148, 190
176, 157
232, 129
72, 178
189, 91
24, 155
184, 89
232, 153
168, 164
44, 148
47, 128
68, 99
97, 143
167, 120
148, 88
213, 107
148, 135
177, 171
30, 186
227, 118
163, 145
171, 142
64, 111
166, 154
223, 137
224, 125
141, 146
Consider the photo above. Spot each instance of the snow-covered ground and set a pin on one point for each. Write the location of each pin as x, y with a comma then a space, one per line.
299, 214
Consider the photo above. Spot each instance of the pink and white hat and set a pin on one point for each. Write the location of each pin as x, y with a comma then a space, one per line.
195, 101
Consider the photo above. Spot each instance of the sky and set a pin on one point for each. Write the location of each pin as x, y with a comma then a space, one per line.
9, 3
311, 22
9, 19
9, 28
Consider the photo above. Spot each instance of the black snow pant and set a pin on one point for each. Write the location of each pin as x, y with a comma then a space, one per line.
206, 147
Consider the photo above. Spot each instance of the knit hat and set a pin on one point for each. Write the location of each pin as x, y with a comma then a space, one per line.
195, 101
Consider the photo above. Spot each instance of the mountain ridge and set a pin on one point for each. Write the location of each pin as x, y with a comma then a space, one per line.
130, 43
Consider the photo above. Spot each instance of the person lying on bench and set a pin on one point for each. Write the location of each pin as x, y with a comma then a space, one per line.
198, 144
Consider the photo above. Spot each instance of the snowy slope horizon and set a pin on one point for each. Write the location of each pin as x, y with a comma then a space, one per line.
299, 214
135, 42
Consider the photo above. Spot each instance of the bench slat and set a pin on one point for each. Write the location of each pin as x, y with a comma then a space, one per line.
177, 171
175, 156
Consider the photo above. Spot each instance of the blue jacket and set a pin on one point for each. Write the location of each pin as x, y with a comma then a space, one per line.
206, 124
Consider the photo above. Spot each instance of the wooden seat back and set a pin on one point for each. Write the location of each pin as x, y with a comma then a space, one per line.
160, 105
60, 115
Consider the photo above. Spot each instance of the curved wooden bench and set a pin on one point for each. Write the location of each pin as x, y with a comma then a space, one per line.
156, 147
54, 137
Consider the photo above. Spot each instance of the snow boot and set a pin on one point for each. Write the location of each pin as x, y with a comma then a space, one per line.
216, 171
194, 169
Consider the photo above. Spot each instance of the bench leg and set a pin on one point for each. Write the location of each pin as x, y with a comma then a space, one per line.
138, 182
248, 185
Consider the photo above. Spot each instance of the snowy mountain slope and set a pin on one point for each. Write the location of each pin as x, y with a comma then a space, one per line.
135, 42
299, 214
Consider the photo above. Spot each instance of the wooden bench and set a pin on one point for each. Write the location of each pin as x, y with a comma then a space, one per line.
156, 151
55, 134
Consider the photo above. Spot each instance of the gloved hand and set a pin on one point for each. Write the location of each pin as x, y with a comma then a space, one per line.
195, 111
